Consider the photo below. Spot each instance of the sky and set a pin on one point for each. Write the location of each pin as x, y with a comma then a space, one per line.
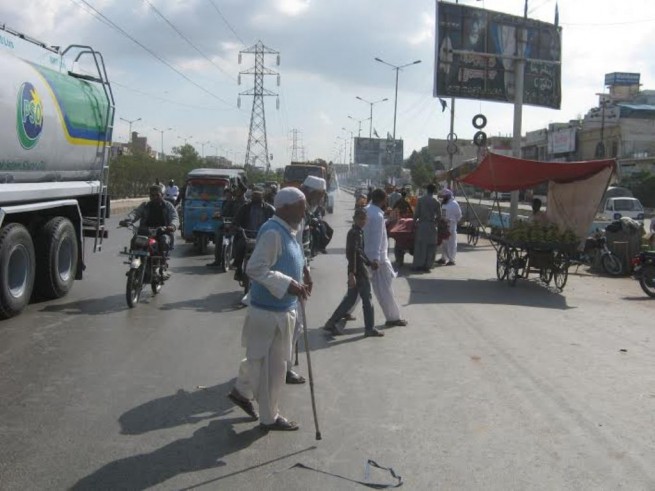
327, 50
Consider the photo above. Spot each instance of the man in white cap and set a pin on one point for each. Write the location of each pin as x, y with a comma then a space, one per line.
313, 188
276, 269
453, 214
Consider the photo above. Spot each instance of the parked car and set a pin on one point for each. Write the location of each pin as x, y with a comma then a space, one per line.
616, 208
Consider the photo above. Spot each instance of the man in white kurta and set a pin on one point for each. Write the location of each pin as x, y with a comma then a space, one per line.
376, 245
453, 214
276, 270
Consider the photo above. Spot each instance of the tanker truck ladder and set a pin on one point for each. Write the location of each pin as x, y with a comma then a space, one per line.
103, 154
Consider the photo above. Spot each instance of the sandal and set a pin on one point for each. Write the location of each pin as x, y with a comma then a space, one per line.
281, 424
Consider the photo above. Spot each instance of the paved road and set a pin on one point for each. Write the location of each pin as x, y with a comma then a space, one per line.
489, 387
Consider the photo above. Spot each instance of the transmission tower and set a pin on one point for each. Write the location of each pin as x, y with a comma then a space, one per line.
257, 150
296, 144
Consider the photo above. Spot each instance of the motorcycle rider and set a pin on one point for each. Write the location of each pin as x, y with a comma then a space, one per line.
314, 189
250, 217
228, 210
172, 192
154, 214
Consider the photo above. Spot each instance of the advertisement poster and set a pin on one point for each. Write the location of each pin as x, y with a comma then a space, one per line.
476, 50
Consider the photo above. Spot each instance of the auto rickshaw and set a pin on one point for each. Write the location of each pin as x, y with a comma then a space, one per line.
202, 201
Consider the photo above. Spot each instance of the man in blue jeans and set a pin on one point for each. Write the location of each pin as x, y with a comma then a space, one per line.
359, 283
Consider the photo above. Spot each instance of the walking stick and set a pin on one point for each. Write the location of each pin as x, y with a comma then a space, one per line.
296, 363
309, 367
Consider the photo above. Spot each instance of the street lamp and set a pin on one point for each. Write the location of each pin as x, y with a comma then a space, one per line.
359, 122
202, 146
185, 138
352, 137
370, 127
395, 104
162, 139
130, 123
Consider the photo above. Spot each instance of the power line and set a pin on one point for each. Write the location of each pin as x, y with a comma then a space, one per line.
164, 99
151, 52
188, 41
226, 22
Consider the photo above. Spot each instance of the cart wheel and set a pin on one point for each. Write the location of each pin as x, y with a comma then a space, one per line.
546, 274
513, 267
560, 270
502, 260
476, 236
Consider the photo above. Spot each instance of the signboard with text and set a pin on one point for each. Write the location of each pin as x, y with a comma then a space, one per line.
378, 151
476, 51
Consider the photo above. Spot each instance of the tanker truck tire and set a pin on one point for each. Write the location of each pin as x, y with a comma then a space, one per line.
17, 266
56, 256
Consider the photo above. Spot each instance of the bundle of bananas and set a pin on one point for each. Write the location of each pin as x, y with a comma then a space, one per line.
540, 233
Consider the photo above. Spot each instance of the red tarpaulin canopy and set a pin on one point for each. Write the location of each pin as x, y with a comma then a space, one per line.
502, 173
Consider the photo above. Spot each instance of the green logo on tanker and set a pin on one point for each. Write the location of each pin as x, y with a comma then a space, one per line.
29, 117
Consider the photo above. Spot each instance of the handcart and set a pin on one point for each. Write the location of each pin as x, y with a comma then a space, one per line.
550, 261
574, 191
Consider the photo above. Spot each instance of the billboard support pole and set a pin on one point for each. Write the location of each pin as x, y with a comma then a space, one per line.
519, 71
450, 154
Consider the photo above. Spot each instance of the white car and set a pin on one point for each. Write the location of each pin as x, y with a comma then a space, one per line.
616, 208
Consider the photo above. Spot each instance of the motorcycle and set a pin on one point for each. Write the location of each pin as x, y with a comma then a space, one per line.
249, 236
643, 265
597, 245
226, 245
147, 265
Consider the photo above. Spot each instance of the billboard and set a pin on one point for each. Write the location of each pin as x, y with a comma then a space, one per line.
561, 140
622, 78
475, 55
378, 151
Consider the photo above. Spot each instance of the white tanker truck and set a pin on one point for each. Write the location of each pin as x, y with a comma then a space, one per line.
56, 119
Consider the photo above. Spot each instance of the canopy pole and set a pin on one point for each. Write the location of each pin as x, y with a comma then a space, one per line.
519, 71
475, 213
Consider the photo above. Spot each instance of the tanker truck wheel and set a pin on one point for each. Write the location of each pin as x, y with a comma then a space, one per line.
17, 266
56, 256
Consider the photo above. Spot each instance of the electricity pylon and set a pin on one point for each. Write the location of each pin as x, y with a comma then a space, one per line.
257, 150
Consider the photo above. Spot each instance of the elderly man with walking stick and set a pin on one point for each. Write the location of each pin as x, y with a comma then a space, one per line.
276, 269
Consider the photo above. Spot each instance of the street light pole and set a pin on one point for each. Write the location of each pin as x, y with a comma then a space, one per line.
359, 122
370, 127
162, 139
130, 123
395, 104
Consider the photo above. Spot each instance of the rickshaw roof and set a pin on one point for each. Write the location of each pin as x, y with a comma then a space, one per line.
502, 173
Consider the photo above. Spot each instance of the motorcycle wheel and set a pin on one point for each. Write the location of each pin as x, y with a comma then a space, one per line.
226, 257
133, 287
157, 282
612, 265
647, 282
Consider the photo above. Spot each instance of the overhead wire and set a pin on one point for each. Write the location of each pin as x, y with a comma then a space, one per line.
99, 15
226, 22
188, 41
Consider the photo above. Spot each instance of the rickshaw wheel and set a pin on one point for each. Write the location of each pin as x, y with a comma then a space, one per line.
502, 261
561, 270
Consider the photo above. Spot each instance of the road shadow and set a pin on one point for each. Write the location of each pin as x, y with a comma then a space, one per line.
216, 302
494, 292
203, 450
91, 306
181, 408
197, 270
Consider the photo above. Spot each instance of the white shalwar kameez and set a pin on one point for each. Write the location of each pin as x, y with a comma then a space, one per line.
267, 335
376, 245
453, 213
